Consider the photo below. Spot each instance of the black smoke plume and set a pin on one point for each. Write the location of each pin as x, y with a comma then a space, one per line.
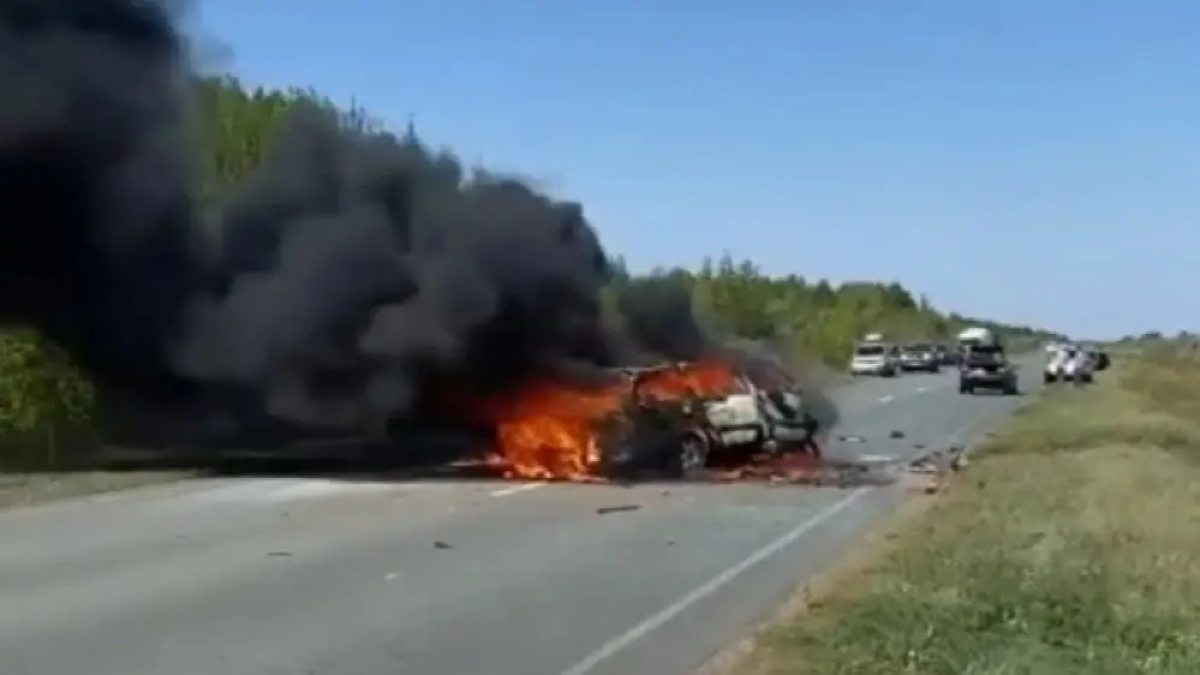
331, 286
348, 270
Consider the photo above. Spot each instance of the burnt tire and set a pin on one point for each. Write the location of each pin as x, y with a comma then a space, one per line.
690, 461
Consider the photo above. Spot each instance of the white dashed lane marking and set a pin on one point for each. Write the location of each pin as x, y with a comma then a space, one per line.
516, 489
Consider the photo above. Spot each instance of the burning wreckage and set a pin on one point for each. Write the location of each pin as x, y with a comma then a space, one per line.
332, 281
679, 420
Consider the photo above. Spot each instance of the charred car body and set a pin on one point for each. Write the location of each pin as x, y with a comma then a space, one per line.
682, 436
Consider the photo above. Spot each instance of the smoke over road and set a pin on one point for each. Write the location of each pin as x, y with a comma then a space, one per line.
335, 282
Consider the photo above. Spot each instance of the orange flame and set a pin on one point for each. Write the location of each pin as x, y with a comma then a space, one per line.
547, 430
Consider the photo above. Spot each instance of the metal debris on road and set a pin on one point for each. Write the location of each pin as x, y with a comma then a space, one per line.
938, 465
852, 439
617, 509
896, 433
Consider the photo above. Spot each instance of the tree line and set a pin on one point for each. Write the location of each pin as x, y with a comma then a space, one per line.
45, 402
812, 318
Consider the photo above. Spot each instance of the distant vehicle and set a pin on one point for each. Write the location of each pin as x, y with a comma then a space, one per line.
920, 356
875, 358
985, 366
947, 354
1099, 357
1070, 363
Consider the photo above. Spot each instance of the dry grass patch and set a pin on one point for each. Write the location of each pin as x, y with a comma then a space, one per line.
1072, 545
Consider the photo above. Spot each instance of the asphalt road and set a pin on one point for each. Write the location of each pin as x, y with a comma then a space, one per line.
292, 577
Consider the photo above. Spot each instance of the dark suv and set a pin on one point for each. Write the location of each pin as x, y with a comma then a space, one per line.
986, 367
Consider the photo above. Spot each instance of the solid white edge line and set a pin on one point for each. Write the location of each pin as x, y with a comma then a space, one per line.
666, 614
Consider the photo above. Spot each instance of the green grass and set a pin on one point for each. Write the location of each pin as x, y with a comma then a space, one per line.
1071, 545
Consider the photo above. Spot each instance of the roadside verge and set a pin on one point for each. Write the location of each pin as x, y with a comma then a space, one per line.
1070, 545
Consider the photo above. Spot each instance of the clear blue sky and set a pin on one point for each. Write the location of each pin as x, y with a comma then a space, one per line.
1029, 160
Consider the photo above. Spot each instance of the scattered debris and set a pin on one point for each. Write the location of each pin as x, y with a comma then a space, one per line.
852, 439
918, 446
896, 433
938, 465
617, 509
442, 545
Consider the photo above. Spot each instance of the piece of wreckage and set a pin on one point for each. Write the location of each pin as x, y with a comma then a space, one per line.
664, 429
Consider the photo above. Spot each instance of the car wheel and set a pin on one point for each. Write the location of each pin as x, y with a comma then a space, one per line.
692, 458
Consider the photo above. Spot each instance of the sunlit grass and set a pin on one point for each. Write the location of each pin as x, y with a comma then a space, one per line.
1071, 545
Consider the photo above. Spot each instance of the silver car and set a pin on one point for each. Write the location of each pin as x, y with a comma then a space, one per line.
920, 357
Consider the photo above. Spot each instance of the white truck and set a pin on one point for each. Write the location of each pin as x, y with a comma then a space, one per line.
977, 335
971, 337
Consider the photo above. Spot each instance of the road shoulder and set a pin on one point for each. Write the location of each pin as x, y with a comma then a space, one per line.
28, 489
1069, 545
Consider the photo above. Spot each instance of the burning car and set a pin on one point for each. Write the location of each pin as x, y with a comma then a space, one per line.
676, 419
682, 435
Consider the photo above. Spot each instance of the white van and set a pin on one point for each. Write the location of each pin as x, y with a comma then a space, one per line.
875, 358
